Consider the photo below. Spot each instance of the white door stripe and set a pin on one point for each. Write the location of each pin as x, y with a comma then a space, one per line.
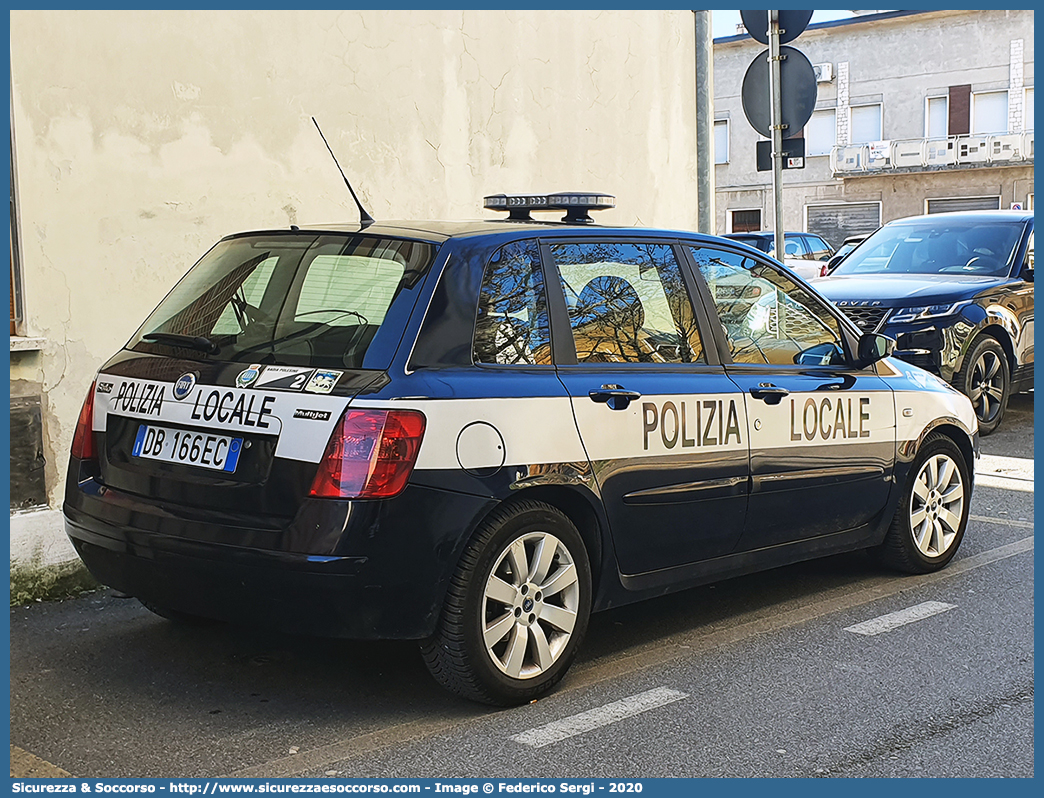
894, 620
596, 718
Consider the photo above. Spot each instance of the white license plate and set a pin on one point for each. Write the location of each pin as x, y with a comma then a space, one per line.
218, 452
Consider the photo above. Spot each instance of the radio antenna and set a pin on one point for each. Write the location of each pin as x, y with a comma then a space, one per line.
364, 218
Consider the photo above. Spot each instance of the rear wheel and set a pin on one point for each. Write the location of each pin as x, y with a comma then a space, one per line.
516, 609
985, 380
929, 523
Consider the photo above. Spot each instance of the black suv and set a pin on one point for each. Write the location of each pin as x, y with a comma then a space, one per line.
474, 434
956, 292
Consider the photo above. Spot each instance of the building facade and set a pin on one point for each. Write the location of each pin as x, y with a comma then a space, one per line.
916, 112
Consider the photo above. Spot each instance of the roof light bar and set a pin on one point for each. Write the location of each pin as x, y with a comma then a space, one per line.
576, 204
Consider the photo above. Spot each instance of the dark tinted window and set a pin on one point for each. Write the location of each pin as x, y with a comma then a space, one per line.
745, 221
627, 303
298, 300
937, 246
512, 326
763, 243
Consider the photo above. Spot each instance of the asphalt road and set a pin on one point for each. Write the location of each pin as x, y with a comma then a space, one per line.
756, 676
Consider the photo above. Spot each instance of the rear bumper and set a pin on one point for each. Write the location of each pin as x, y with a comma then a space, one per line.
380, 574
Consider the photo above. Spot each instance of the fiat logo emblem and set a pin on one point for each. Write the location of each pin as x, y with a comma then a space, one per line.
184, 385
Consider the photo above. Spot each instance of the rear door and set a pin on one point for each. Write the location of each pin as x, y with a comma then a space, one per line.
662, 424
822, 434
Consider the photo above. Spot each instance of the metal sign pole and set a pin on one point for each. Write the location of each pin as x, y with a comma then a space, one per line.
777, 129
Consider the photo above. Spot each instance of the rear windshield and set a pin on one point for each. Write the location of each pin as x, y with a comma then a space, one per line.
299, 300
758, 242
937, 247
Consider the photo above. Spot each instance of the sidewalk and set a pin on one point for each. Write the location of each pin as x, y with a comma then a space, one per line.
44, 564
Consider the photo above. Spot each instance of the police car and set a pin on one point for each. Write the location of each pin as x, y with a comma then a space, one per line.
475, 434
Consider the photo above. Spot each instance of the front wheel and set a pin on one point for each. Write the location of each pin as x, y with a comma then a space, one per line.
516, 609
929, 523
985, 380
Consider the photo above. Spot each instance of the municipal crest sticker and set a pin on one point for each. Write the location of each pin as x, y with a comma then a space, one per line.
247, 376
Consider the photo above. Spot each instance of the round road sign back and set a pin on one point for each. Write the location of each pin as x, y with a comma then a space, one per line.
791, 23
797, 82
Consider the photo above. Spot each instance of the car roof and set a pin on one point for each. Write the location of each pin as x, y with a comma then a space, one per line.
765, 233
439, 231
969, 216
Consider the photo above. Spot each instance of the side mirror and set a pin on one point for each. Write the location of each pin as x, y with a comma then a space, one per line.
874, 347
1027, 271
825, 354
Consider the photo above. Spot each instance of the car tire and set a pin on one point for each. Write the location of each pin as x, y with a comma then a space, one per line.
930, 520
505, 637
984, 379
175, 616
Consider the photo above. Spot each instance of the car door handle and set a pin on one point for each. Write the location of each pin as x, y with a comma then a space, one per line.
616, 396
769, 393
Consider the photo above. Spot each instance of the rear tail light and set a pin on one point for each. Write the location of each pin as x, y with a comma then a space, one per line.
823, 271
370, 455
83, 437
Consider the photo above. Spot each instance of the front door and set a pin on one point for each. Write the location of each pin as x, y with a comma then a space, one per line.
663, 425
822, 434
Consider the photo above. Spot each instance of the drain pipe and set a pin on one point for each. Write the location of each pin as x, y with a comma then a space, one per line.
705, 218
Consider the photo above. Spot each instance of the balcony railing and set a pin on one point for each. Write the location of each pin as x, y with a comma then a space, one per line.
916, 155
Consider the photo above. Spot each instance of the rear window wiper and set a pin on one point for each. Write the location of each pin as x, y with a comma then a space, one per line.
190, 341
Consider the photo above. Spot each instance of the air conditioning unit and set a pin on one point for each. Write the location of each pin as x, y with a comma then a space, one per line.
824, 72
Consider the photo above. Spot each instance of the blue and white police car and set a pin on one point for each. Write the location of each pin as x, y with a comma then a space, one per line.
475, 434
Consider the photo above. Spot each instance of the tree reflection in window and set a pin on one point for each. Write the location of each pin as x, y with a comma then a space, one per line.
512, 326
627, 303
768, 318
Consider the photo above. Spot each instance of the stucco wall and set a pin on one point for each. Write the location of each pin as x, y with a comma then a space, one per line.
143, 137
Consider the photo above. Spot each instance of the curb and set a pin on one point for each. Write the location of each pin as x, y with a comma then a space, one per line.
49, 582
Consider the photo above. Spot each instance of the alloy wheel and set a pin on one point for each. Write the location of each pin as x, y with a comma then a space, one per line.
937, 505
530, 605
987, 388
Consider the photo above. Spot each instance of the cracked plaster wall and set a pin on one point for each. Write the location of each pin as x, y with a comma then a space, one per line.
143, 137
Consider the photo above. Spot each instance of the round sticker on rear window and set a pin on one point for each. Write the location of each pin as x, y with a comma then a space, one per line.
323, 381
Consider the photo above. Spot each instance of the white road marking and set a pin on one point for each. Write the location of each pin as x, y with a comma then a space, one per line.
894, 620
596, 718
1007, 473
986, 519
1004, 483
